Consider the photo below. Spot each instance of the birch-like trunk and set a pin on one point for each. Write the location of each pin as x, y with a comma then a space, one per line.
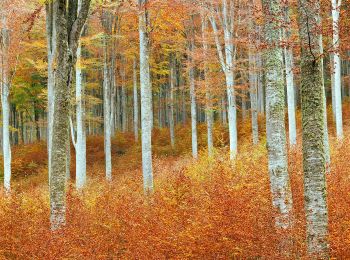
253, 97
51, 7
275, 126
5, 104
107, 116
337, 69
136, 104
288, 57
171, 103
325, 136
124, 98
146, 98
191, 46
313, 122
226, 58
208, 98
80, 146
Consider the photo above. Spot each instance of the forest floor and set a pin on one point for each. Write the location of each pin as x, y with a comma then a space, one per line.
205, 209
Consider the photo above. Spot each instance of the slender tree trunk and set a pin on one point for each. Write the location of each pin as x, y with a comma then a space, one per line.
337, 69
146, 98
80, 147
275, 126
226, 58
191, 46
313, 122
288, 56
171, 103
325, 136
124, 98
5, 104
107, 116
51, 8
136, 104
253, 97
209, 109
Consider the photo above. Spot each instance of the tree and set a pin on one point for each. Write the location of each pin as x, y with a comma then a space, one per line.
227, 56
5, 104
191, 76
336, 70
275, 127
313, 122
288, 64
69, 24
80, 143
146, 97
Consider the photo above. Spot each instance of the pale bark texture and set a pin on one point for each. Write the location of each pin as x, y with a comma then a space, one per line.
275, 127
313, 123
337, 69
191, 46
5, 104
208, 96
171, 103
136, 103
68, 26
288, 63
227, 56
51, 8
80, 146
107, 115
146, 98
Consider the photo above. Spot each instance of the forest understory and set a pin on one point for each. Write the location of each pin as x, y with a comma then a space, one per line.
212, 208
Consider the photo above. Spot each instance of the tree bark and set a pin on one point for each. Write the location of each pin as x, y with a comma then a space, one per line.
146, 98
5, 104
313, 122
275, 126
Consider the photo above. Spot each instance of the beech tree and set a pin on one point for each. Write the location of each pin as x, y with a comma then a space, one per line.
313, 123
275, 127
5, 92
69, 24
146, 97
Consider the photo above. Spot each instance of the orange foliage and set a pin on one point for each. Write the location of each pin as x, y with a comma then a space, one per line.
205, 209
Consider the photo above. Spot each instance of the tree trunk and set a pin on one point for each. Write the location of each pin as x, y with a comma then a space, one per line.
136, 104
337, 69
51, 8
313, 122
146, 98
275, 126
80, 147
171, 103
288, 56
68, 27
5, 104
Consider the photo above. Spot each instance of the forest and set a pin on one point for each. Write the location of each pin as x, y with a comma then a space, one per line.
175, 129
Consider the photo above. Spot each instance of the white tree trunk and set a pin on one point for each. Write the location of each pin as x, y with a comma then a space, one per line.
146, 99
136, 104
107, 117
337, 69
325, 136
288, 57
5, 91
51, 46
80, 147
191, 46
226, 60
275, 123
171, 103
253, 97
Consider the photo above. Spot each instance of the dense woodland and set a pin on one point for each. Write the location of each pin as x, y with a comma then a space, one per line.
156, 129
